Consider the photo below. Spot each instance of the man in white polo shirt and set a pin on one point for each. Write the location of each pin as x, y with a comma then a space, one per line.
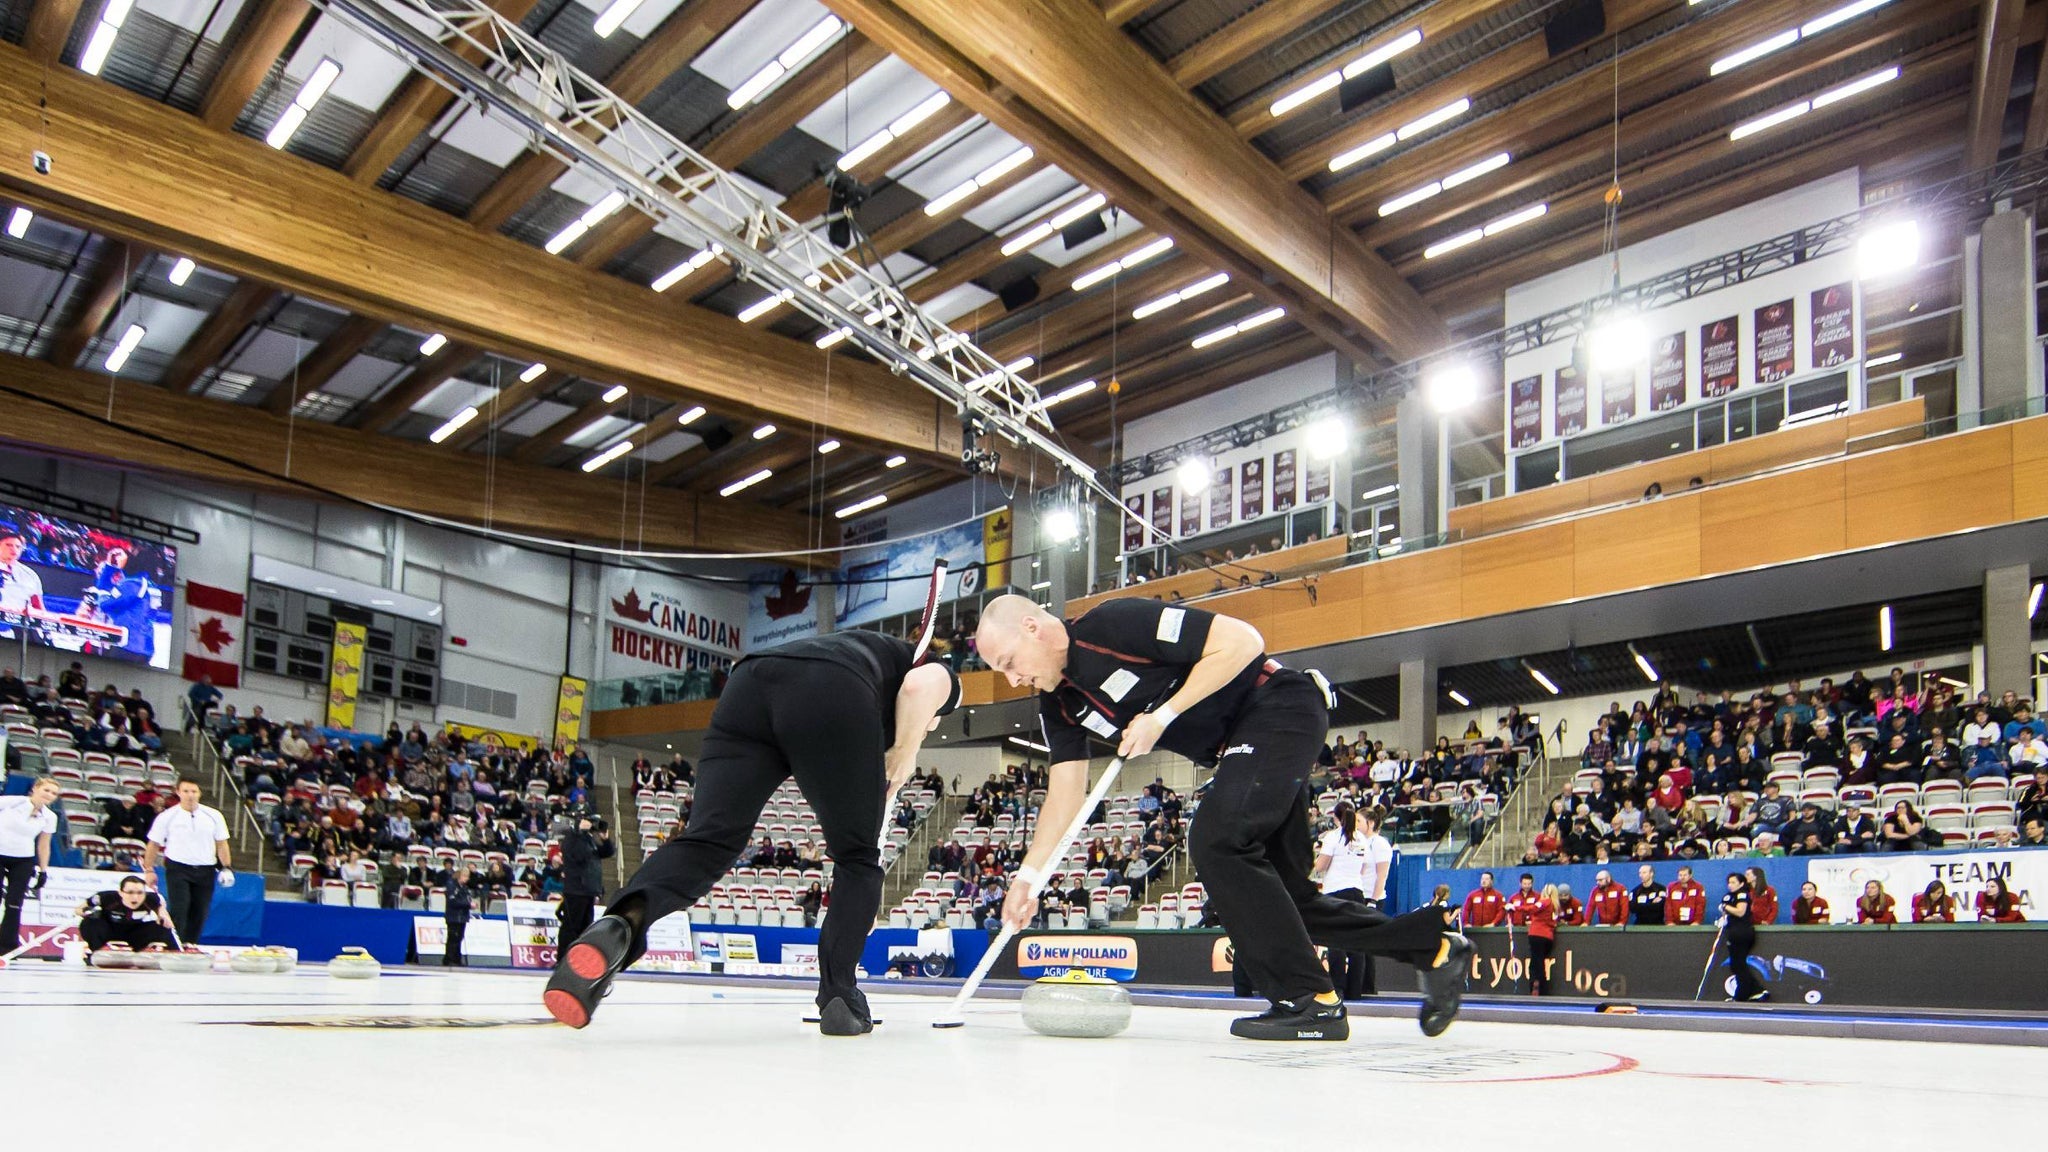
26, 825
192, 838
20, 587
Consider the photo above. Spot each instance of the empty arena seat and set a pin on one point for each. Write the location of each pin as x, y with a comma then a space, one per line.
1148, 917
334, 893
364, 895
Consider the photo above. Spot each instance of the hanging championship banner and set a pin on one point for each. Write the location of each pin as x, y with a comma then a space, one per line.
1134, 524
1834, 325
1525, 411
995, 548
1190, 513
1252, 488
1667, 373
1283, 480
1222, 490
345, 675
1720, 360
1162, 511
1774, 342
570, 700
1317, 484
1569, 414
1618, 396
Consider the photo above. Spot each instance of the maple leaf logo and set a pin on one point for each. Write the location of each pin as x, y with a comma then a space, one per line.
213, 635
630, 608
788, 599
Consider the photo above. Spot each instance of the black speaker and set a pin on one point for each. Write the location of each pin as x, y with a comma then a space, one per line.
716, 438
1577, 23
1019, 292
1083, 230
1365, 87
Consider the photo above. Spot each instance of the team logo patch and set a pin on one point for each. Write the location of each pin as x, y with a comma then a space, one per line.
1120, 683
1099, 724
1239, 750
1170, 621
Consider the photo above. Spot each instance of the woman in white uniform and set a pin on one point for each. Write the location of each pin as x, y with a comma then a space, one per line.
1353, 860
26, 825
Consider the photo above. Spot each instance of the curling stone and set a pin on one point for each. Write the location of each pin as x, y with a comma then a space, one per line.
253, 963
1077, 1005
287, 958
148, 958
115, 955
354, 963
189, 961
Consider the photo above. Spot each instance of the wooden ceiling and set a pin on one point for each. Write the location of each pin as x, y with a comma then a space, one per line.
323, 267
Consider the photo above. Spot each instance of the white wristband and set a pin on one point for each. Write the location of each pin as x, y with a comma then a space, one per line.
1165, 714
1028, 874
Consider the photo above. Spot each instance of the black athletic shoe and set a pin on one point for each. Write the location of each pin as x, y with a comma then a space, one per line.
846, 1016
1295, 1020
1443, 984
583, 975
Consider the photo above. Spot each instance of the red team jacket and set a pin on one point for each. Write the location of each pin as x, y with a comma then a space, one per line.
1570, 913
1925, 911
1485, 908
1523, 905
1541, 920
1685, 902
1763, 905
1813, 913
1607, 905
1988, 909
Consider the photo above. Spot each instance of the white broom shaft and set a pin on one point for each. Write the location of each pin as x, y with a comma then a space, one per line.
1080, 821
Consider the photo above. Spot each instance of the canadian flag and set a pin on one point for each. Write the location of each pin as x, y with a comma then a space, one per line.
213, 635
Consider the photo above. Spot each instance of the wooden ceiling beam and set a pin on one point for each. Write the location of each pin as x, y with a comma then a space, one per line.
139, 170
413, 108
329, 463
447, 362
916, 225
104, 290
1142, 339
1998, 41
1085, 315
1047, 70
503, 407
260, 36
810, 202
49, 29
320, 365
557, 434
1245, 37
244, 306
1122, 12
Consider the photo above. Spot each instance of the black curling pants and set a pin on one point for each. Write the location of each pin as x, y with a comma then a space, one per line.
138, 935
1351, 972
1251, 846
780, 717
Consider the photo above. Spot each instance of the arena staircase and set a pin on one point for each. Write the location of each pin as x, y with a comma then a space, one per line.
247, 844
1521, 813
906, 875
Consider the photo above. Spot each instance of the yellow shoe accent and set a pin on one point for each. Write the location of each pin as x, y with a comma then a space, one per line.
1443, 952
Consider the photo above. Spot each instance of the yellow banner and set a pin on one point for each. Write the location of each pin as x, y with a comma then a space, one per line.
569, 705
491, 737
345, 675
995, 548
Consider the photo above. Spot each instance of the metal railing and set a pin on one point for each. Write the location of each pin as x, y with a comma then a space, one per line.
1536, 786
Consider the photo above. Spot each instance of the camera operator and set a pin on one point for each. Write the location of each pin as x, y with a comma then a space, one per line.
582, 876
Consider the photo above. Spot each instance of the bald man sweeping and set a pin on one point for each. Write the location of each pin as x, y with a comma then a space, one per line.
1140, 674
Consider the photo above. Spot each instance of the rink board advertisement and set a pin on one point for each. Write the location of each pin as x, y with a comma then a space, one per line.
532, 926
66, 889
1841, 878
486, 942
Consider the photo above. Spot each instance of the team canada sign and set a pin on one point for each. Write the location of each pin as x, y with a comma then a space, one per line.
649, 628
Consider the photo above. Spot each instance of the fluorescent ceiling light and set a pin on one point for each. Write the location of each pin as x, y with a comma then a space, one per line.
1330, 80
1040, 232
897, 127
1021, 742
982, 179
1454, 694
1382, 490
433, 344
1881, 361
1370, 148
1448, 112
1828, 20
1161, 304
612, 395
1643, 662
608, 455
1755, 51
1771, 121
453, 425
895, 462
834, 337
763, 306
125, 347
1454, 243
860, 506
1098, 275
691, 415
590, 219
1512, 219
828, 447
1041, 586
1540, 678
608, 21
316, 86
2034, 601
788, 61
746, 482
534, 371
764, 431
181, 271
675, 275
102, 42
1242, 326
1192, 476
1492, 163
1884, 627
1855, 88
1068, 393
1411, 199
18, 221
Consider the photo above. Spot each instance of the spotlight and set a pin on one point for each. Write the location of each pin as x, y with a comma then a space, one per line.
1884, 628
1062, 525
1450, 387
1618, 342
1328, 437
1193, 476
1888, 248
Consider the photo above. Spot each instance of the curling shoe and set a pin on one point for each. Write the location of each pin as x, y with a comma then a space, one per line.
1295, 1020
1443, 984
584, 974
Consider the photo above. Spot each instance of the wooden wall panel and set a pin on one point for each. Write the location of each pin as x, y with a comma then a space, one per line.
1529, 507
1625, 485
652, 720
1907, 413
1773, 519
1412, 591
1931, 489
1335, 616
1638, 546
1517, 570
1789, 446
2030, 469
